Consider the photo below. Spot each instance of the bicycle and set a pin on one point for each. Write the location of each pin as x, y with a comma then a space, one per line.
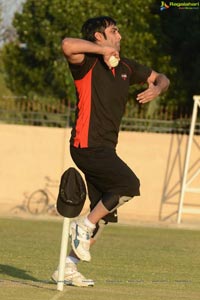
39, 201
21, 208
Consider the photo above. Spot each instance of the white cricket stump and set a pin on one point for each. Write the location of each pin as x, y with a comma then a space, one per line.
63, 252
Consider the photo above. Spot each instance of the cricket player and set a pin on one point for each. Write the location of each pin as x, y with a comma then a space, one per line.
102, 94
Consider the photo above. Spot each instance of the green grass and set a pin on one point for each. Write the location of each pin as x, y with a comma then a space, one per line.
128, 263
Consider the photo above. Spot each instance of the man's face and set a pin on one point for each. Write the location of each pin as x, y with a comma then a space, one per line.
113, 37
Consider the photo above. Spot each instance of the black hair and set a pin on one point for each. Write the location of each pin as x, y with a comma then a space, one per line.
98, 24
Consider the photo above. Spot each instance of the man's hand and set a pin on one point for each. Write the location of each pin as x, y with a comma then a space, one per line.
107, 53
158, 83
149, 94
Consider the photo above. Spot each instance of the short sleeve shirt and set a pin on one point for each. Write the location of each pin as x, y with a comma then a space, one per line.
102, 94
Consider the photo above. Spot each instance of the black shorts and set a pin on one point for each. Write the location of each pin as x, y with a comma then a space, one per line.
105, 172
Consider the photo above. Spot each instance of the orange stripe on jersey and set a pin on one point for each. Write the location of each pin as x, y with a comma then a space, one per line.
83, 87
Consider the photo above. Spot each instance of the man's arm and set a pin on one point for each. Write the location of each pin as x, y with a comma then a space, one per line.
158, 84
75, 49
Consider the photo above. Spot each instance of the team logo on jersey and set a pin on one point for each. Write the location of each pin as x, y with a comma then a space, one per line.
124, 76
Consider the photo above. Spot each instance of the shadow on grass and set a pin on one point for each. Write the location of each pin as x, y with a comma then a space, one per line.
23, 275
17, 273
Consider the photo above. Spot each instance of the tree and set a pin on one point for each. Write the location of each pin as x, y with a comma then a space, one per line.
179, 36
34, 62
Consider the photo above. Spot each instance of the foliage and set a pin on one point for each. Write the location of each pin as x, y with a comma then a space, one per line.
5, 92
34, 63
179, 36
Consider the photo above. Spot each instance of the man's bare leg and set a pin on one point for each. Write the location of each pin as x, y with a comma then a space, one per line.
97, 213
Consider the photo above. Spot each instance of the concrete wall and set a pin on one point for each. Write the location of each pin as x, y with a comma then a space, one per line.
28, 154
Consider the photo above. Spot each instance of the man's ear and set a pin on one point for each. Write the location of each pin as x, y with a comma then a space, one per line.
98, 36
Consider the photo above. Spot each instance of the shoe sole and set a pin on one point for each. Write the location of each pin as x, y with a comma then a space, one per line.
71, 283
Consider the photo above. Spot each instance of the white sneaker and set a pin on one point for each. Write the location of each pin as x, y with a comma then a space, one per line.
73, 277
80, 236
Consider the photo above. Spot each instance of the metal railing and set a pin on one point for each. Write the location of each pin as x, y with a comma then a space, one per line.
181, 126
59, 115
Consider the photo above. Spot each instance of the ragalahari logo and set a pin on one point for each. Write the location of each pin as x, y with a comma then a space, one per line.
164, 6
179, 5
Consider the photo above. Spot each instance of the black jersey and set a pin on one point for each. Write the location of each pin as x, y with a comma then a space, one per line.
102, 94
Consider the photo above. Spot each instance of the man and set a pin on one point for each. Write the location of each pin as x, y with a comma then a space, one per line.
102, 93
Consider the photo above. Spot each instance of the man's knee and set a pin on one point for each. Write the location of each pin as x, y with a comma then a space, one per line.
122, 201
112, 202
